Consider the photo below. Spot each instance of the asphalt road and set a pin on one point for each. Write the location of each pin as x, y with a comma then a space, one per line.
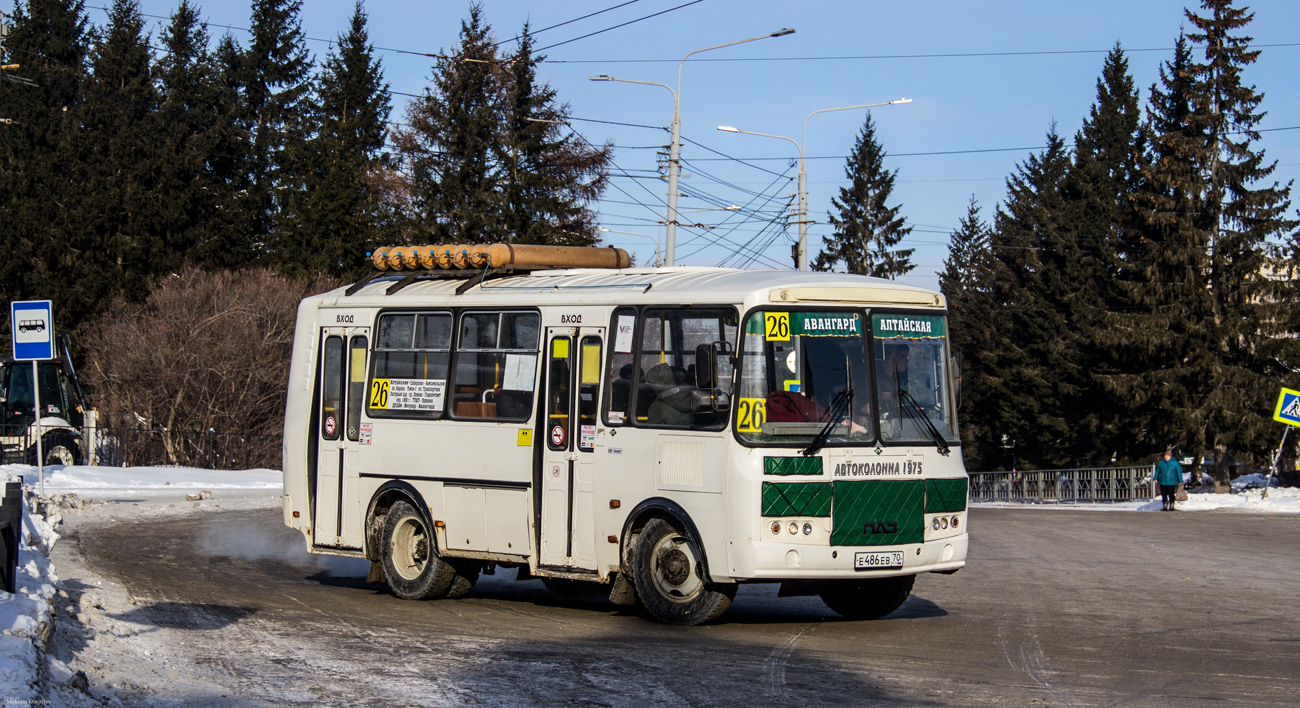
1055, 608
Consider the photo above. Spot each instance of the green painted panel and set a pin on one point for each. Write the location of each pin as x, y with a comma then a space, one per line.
792, 465
908, 326
943, 496
878, 512
796, 499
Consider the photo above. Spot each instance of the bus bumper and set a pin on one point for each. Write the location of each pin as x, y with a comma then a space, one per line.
763, 560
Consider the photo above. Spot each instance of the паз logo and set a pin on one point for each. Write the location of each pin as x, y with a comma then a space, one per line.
871, 527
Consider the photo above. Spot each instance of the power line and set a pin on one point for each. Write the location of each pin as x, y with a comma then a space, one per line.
625, 24
566, 22
870, 57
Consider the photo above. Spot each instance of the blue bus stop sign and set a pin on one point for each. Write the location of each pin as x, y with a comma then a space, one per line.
1288, 407
32, 324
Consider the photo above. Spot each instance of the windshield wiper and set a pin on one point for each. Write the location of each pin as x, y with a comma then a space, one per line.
935, 435
840, 405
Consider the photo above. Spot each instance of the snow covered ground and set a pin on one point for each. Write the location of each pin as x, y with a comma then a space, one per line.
30, 675
27, 622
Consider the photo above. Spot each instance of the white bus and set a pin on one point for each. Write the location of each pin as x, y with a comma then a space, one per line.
668, 432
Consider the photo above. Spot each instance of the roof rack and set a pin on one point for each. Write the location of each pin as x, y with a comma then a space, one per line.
471, 278
479, 262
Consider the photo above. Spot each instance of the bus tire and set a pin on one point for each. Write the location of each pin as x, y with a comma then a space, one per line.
868, 599
669, 578
411, 563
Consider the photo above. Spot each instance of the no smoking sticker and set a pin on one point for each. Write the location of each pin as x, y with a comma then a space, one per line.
557, 435
330, 425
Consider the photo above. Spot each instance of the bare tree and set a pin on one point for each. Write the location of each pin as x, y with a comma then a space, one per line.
202, 365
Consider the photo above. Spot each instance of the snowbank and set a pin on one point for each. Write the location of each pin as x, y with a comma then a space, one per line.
1280, 500
25, 619
25, 624
145, 480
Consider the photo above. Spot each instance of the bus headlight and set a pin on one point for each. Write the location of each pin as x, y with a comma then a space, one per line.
794, 528
807, 528
943, 522
935, 524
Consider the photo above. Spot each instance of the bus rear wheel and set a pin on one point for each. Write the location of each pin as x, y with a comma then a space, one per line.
670, 581
411, 563
868, 599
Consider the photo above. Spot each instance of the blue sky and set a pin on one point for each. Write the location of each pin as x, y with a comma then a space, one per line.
1000, 106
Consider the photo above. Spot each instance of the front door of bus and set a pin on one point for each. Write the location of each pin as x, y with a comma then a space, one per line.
342, 384
573, 369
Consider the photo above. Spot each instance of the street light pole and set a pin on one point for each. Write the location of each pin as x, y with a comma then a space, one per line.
675, 147
801, 252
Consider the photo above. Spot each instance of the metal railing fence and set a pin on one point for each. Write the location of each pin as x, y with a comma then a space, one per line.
1083, 485
122, 446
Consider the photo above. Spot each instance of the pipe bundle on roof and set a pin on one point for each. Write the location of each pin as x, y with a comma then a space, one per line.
497, 255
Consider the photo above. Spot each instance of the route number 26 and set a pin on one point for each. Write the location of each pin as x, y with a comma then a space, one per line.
776, 326
379, 393
750, 415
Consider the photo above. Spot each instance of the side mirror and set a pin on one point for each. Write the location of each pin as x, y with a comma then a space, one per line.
704, 366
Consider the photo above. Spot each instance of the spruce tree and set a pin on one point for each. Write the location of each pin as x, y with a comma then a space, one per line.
274, 81
335, 216
1243, 216
237, 239
202, 147
453, 139
966, 284
1098, 189
551, 174
41, 104
867, 229
118, 242
1166, 336
1030, 370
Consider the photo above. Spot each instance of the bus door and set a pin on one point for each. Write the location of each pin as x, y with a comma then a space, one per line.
573, 366
342, 380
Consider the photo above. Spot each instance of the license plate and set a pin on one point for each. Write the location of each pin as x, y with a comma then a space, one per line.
888, 560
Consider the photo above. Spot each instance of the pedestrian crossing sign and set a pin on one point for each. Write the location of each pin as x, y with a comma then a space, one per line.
1288, 407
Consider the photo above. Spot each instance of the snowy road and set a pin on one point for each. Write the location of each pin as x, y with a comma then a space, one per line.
1061, 608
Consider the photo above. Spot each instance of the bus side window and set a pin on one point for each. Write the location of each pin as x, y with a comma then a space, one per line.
496, 366
411, 360
588, 390
332, 388
557, 394
670, 340
356, 384
621, 376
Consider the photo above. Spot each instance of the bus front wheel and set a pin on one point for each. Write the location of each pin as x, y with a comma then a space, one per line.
411, 563
670, 581
868, 599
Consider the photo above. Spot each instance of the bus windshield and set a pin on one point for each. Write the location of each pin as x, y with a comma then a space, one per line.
807, 373
912, 377
801, 372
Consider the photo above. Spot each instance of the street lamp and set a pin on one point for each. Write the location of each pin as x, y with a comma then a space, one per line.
675, 147
629, 233
801, 255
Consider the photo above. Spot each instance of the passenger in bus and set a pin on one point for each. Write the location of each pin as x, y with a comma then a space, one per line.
621, 390
672, 403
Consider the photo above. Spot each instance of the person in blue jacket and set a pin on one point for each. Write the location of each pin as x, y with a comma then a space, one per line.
1168, 475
